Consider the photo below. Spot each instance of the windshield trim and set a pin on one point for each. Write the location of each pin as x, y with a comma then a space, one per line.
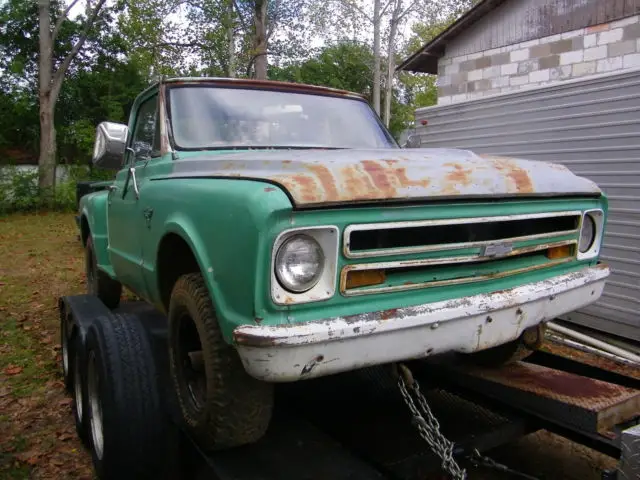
393, 144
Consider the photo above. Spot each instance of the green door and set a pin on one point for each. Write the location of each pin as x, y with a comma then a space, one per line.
126, 216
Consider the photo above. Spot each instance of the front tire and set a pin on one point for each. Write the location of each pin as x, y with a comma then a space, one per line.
222, 405
99, 283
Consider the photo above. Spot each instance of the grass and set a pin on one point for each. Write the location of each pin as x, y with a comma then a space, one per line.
40, 260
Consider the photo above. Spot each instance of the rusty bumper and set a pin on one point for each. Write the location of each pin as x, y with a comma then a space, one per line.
285, 353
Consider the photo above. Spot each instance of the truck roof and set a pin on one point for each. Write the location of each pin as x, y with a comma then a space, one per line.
253, 83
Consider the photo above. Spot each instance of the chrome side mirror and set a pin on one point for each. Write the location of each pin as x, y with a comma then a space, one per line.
108, 150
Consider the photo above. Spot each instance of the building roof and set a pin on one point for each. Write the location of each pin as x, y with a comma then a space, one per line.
425, 60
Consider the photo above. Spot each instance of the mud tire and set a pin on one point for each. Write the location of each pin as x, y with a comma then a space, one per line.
221, 405
99, 283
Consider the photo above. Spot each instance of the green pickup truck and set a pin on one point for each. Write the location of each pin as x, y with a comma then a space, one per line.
286, 236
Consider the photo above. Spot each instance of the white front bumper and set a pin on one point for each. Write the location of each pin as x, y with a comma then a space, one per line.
285, 353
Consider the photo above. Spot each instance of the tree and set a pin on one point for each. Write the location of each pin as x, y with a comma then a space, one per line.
51, 78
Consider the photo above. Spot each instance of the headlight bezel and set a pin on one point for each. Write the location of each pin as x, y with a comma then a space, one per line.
597, 216
327, 238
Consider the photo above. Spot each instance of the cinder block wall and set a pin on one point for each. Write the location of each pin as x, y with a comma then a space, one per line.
580, 53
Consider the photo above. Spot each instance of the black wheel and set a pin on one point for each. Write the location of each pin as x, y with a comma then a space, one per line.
511, 352
78, 363
99, 283
222, 406
66, 352
127, 427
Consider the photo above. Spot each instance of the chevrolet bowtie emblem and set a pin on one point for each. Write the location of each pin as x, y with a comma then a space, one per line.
496, 249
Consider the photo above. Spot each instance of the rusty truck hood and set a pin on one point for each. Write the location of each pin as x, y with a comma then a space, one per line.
315, 178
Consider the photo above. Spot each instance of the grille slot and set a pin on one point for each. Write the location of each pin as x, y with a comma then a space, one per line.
441, 272
413, 237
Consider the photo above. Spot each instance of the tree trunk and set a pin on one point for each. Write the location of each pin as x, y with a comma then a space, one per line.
260, 39
377, 19
47, 158
231, 41
391, 51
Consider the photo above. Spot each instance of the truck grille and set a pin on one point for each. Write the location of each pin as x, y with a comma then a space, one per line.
474, 249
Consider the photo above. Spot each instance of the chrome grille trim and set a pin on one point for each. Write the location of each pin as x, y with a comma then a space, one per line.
450, 260
348, 253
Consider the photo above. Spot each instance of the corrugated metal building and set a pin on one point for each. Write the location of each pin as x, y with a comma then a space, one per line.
590, 123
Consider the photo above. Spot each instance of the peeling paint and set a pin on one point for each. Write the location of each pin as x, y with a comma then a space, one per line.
371, 338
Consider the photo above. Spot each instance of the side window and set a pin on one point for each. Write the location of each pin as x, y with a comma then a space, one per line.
144, 132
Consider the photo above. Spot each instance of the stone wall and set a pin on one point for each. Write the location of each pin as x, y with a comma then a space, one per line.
603, 48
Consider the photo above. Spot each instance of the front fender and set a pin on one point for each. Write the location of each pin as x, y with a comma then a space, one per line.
93, 208
223, 221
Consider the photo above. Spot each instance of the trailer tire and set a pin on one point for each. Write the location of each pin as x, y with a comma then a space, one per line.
79, 390
511, 352
66, 351
127, 427
222, 406
99, 283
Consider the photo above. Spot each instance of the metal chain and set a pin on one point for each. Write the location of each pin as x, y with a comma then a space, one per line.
428, 425
478, 459
429, 429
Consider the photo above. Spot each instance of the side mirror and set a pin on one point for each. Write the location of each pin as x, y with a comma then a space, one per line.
108, 151
413, 141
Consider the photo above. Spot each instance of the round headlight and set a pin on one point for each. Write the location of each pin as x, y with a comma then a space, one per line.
299, 263
587, 233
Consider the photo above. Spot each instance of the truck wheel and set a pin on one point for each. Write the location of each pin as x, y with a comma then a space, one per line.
79, 390
511, 352
127, 426
99, 283
222, 405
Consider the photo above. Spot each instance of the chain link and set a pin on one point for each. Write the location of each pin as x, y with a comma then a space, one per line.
427, 424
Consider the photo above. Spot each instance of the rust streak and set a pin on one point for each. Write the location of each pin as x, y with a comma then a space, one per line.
327, 181
380, 177
459, 175
517, 175
356, 184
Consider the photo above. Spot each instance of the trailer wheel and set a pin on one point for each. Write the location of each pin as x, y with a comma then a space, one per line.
99, 283
127, 426
79, 390
222, 405
511, 352
66, 352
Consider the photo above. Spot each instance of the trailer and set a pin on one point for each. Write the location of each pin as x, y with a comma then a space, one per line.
401, 422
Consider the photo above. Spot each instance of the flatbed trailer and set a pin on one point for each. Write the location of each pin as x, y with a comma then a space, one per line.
359, 425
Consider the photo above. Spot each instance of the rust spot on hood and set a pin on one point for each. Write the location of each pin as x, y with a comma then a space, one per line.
326, 180
519, 176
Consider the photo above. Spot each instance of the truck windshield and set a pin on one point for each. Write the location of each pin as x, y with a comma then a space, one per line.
204, 117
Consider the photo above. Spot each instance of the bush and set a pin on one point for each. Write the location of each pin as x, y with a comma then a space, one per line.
19, 191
